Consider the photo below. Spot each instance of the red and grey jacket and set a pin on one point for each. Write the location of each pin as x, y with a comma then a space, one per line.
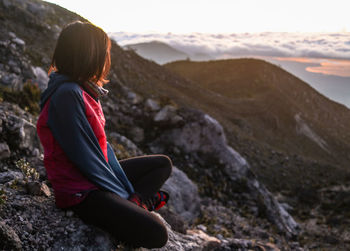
77, 156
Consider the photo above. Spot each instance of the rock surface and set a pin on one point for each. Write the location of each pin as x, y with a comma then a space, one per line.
185, 199
204, 135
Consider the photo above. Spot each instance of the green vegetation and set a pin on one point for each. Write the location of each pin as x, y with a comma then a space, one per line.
30, 174
28, 98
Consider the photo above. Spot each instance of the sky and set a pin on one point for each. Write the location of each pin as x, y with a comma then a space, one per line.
214, 16
309, 38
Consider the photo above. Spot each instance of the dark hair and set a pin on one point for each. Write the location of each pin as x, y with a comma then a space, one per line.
83, 53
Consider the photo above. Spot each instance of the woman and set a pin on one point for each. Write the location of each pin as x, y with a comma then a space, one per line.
81, 165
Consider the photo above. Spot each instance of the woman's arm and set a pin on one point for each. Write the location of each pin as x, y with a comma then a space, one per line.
116, 167
71, 129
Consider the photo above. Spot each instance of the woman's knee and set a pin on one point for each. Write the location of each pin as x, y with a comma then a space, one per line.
157, 236
166, 163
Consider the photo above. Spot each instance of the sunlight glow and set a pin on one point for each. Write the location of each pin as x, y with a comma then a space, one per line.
209, 16
325, 66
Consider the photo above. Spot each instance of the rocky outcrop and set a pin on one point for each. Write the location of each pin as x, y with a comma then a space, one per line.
185, 200
30, 220
18, 131
203, 136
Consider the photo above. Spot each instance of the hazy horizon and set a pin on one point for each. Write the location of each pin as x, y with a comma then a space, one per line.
320, 59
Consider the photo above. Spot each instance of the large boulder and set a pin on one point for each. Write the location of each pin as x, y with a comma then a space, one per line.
18, 131
184, 197
203, 137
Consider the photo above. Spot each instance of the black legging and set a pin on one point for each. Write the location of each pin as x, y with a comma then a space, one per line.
123, 219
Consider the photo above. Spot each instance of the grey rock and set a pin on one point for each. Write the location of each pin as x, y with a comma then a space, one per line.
6, 3
19, 43
185, 199
9, 176
69, 213
176, 222
126, 143
12, 35
205, 135
23, 132
176, 119
38, 188
134, 98
12, 80
4, 151
36, 152
36, 9
137, 134
165, 114
9, 238
192, 240
41, 77
151, 105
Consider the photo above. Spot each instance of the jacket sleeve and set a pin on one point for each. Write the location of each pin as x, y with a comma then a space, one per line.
71, 129
117, 169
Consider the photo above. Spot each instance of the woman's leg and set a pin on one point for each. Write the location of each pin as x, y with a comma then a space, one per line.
147, 173
124, 220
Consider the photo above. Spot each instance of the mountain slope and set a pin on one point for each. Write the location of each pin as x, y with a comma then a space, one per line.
158, 51
280, 109
273, 125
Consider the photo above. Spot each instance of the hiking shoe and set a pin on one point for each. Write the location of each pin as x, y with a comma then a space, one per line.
161, 198
153, 203
136, 198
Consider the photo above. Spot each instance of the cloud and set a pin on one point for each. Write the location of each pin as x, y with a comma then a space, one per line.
278, 44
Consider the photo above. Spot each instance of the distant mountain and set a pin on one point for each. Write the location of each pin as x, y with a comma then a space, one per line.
162, 53
262, 103
157, 51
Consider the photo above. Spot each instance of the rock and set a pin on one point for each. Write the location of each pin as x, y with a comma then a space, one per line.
165, 114
69, 213
204, 136
151, 105
14, 67
176, 119
9, 238
36, 9
137, 134
185, 199
38, 188
41, 77
176, 222
4, 151
12, 80
23, 133
129, 146
134, 98
9, 176
240, 244
202, 227
192, 240
19, 42
12, 35
36, 152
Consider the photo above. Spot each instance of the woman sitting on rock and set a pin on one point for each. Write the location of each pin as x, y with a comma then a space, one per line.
84, 172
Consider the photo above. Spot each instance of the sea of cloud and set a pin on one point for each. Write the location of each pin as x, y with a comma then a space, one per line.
276, 44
